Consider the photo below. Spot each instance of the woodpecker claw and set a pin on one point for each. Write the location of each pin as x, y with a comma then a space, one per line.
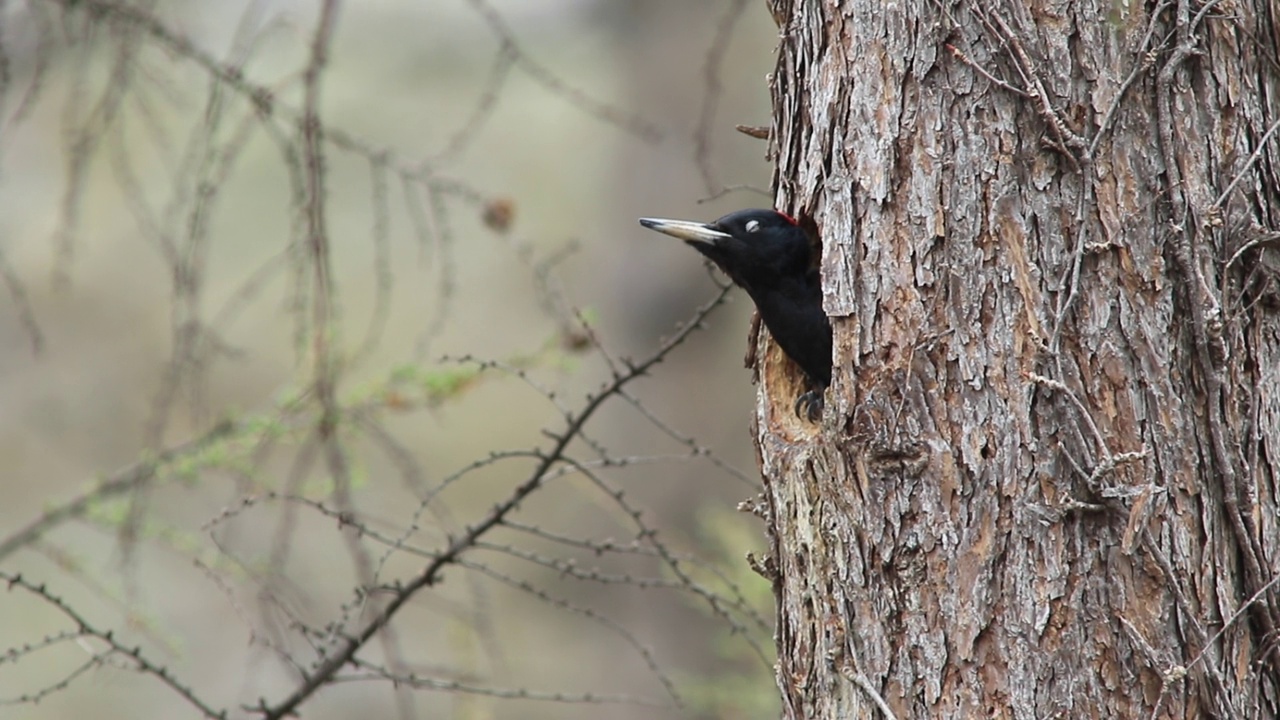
809, 406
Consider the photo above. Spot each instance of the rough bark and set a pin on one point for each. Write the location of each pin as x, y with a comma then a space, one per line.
1046, 481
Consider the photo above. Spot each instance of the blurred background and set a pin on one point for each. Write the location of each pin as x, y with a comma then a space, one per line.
485, 166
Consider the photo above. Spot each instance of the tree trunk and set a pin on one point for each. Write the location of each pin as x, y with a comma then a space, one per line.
1046, 481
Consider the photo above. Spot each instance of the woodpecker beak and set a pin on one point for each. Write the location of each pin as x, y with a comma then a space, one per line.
691, 232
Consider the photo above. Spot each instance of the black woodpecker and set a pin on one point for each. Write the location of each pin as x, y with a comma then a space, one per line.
767, 254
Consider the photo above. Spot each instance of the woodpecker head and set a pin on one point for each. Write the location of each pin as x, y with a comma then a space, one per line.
748, 245
768, 254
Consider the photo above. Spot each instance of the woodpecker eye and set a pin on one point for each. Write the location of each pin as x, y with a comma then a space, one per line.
753, 225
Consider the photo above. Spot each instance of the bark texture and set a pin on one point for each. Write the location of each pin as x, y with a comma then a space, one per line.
1046, 482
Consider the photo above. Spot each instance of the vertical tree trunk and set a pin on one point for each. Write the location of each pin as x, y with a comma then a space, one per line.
1046, 482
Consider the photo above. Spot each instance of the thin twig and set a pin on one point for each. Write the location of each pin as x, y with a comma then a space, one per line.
430, 575
122, 481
